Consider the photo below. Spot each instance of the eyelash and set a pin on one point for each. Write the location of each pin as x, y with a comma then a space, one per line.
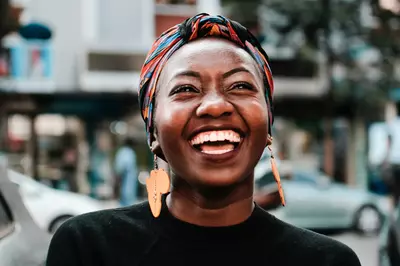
182, 89
243, 84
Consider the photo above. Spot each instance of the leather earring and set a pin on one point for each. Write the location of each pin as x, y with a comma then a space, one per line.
157, 184
275, 172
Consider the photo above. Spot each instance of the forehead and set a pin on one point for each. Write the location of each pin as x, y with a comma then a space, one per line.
209, 55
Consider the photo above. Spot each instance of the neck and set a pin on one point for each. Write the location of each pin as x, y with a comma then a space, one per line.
204, 208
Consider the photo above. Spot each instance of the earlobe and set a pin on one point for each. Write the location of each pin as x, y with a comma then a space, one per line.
155, 145
156, 148
269, 140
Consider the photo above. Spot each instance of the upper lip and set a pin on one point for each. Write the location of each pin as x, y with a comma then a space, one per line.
206, 128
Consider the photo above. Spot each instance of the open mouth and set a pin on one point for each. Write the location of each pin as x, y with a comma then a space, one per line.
216, 141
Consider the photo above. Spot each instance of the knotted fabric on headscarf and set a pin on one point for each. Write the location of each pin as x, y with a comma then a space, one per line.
200, 26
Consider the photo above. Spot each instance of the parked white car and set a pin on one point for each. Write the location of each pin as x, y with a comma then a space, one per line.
51, 207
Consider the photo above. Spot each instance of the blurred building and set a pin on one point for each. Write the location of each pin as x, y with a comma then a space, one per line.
84, 80
87, 73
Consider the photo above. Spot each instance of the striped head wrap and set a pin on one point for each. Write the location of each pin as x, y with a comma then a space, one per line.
200, 26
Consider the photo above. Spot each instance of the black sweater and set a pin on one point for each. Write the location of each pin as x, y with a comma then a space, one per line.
132, 237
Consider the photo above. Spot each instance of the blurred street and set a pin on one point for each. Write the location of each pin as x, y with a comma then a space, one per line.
365, 247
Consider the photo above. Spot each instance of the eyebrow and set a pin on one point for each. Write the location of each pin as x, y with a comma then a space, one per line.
190, 73
234, 71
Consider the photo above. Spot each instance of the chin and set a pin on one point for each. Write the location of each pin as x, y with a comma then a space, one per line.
220, 179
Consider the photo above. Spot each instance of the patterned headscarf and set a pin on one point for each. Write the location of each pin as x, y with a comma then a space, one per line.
200, 26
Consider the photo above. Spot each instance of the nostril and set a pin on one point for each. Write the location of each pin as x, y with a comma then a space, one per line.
214, 109
213, 115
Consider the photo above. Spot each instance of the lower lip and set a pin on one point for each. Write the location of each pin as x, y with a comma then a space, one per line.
220, 156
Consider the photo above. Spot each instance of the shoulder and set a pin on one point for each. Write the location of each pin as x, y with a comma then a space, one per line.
328, 250
112, 221
319, 249
101, 232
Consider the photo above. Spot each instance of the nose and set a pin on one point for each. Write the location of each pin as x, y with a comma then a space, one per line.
214, 105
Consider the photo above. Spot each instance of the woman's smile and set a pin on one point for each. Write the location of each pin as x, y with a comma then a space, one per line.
216, 141
217, 144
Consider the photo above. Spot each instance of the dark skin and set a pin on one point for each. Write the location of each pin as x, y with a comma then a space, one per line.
210, 82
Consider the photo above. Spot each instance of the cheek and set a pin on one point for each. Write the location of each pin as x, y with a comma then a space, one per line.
170, 119
255, 113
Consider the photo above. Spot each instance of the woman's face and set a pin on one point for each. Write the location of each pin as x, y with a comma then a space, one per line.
211, 114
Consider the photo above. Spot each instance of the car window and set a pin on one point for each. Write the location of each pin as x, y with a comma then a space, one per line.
6, 221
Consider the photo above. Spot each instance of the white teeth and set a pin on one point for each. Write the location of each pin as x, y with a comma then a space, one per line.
213, 136
216, 151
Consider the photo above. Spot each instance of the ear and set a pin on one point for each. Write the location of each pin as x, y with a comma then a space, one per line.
156, 147
269, 140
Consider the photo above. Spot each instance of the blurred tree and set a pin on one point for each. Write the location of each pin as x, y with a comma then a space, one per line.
386, 36
363, 42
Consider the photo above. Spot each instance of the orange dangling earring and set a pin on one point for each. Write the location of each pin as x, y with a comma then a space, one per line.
157, 184
275, 172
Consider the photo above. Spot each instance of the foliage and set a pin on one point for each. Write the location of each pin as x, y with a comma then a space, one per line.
364, 40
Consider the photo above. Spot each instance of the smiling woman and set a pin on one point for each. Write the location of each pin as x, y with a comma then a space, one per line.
213, 118
206, 98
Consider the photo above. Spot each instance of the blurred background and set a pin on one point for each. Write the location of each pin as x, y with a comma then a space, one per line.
69, 116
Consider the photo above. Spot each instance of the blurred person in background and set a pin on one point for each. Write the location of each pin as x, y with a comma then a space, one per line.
125, 167
206, 95
391, 167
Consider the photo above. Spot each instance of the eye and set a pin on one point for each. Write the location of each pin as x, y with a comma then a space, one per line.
243, 86
183, 89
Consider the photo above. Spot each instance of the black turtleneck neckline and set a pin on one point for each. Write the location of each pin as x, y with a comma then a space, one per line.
255, 225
